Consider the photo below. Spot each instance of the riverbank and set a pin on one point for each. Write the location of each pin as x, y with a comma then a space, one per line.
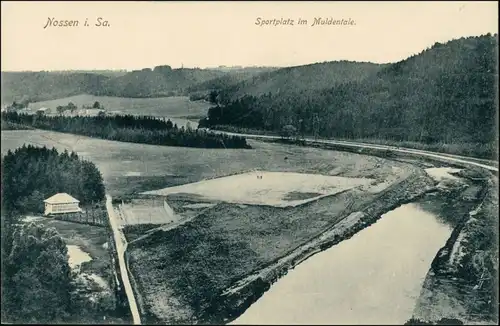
462, 283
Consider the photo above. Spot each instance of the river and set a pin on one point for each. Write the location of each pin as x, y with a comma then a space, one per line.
374, 277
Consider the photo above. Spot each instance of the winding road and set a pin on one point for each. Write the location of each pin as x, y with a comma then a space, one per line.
482, 163
121, 246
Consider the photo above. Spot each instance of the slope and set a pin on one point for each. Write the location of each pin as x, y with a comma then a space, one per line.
295, 79
444, 94
44, 85
157, 82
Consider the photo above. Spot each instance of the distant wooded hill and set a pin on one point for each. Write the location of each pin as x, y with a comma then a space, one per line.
291, 80
158, 82
39, 86
446, 93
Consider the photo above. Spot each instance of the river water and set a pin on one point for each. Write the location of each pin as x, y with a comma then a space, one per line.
374, 277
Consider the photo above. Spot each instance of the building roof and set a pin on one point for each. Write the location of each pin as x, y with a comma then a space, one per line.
61, 198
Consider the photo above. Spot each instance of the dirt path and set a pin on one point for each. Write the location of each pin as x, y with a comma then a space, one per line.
121, 246
489, 165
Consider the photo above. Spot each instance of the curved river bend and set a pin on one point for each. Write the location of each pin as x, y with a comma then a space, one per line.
374, 277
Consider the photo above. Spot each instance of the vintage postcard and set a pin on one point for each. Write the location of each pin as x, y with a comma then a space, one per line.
249, 163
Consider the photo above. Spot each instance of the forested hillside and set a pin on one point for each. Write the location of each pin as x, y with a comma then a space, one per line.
157, 82
444, 94
230, 79
296, 79
44, 85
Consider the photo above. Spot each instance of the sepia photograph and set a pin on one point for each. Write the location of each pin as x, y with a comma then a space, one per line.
249, 162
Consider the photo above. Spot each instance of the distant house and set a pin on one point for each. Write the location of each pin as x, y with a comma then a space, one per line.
8, 108
90, 112
68, 113
61, 203
25, 110
43, 110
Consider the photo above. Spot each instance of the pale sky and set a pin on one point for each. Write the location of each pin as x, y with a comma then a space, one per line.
196, 34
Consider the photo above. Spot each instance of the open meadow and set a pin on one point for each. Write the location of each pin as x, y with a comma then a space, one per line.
129, 168
171, 107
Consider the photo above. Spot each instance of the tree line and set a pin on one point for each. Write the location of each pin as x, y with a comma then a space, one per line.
445, 94
128, 128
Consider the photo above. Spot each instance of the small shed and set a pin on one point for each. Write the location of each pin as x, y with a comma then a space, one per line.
61, 203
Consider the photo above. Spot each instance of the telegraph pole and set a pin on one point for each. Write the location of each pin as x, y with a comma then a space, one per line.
315, 125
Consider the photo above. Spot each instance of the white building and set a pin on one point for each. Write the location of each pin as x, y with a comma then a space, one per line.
43, 110
61, 203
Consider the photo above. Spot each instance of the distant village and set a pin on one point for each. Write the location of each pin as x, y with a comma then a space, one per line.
69, 110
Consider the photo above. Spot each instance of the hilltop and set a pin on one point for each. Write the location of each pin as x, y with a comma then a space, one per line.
296, 79
45, 85
445, 94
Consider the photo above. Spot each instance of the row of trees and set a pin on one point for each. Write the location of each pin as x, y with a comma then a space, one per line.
128, 128
37, 283
444, 94
72, 107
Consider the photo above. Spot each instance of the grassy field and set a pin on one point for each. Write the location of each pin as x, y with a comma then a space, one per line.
479, 150
149, 211
133, 168
179, 106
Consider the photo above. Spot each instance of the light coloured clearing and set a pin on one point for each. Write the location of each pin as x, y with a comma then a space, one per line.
440, 174
476, 210
265, 188
148, 213
199, 205
457, 252
133, 174
28, 219
99, 281
76, 256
